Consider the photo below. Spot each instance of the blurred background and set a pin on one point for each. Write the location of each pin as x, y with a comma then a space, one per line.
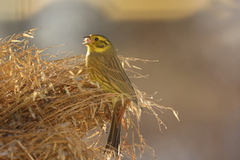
197, 44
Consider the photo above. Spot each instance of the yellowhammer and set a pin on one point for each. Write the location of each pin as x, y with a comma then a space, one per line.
105, 69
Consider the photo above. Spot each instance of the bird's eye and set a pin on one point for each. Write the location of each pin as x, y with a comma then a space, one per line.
96, 39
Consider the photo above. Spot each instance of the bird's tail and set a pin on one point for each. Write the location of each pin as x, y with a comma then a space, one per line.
115, 130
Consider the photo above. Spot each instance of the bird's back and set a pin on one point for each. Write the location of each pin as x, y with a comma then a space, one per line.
107, 70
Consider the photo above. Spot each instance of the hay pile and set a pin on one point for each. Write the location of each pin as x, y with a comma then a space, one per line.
51, 110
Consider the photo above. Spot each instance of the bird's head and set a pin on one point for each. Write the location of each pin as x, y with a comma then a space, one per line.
97, 43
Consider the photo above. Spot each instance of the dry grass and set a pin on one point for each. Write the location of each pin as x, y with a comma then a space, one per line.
51, 110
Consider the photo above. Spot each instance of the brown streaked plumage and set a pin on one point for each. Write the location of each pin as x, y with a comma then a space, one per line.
105, 68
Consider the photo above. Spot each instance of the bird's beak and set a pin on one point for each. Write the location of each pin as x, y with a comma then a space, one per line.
87, 40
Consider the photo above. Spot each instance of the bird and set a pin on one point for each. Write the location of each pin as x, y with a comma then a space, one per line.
105, 69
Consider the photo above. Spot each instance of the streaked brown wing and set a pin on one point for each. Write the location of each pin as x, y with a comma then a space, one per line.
112, 76
118, 76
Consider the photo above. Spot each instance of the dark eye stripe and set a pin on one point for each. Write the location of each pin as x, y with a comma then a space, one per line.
104, 44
